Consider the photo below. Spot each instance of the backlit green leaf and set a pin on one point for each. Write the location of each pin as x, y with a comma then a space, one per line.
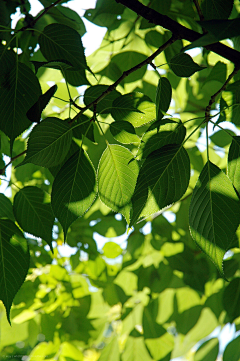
117, 175
234, 162
111, 250
110, 351
208, 351
33, 213
163, 97
49, 143
135, 108
124, 132
135, 349
214, 199
74, 189
14, 262
163, 180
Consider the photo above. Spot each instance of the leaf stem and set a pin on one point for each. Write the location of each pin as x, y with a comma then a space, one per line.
10, 162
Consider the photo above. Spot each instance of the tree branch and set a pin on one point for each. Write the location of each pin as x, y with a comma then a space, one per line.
10, 162
184, 33
214, 96
199, 11
125, 74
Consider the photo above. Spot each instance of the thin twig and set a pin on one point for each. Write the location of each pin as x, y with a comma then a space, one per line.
199, 11
214, 96
124, 75
10, 162
33, 22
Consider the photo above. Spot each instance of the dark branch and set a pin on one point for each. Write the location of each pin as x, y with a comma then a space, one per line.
184, 33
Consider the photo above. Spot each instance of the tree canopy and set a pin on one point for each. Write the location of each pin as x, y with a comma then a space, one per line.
131, 157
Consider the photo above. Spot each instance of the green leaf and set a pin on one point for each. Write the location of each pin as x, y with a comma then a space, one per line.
163, 180
135, 108
34, 113
60, 42
49, 143
33, 213
234, 162
110, 351
218, 73
105, 105
111, 250
216, 9
214, 214
117, 175
232, 351
222, 138
135, 349
127, 60
183, 66
124, 132
74, 189
230, 104
158, 341
170, 133
19, 92
163, 97
6, 208
208, 351
14, 262
231, 299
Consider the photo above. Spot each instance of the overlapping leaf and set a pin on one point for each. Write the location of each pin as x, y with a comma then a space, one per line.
170, 133
105, 104
6, 208
33, 213
182, 65
216, 9
135, 349
230, 104
34, 113
124, 132
163, 97
163, 180
74, 189
49, 143
135, 108
214, 213
14, 262
19, 91
117, 175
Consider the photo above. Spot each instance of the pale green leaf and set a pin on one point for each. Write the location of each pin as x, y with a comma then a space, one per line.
117, 175
124, 132
49, 143
135, 349
182, 65
163, 180
33, 213
163, 97
111, 250
135, 108
14, 262
74, 189
214, 213
110, 351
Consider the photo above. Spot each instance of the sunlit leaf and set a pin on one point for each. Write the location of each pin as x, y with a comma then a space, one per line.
214, 213
124, 132
234, 162
208, 351
111, 250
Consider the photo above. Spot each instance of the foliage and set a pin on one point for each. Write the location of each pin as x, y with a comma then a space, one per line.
120, 132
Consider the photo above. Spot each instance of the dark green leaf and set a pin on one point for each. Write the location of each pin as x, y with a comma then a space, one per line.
105, 105
216, 9
182, 65
222, 138
6, 208
14, 262
234, 163
74, 189
232, 350
33, 213
49, 143
163, 97
214, 199
208, 351
34, 113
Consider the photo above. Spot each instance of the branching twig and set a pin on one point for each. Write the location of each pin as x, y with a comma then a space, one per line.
10, 162
33, 22
125, 74
183, 33
214, 96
